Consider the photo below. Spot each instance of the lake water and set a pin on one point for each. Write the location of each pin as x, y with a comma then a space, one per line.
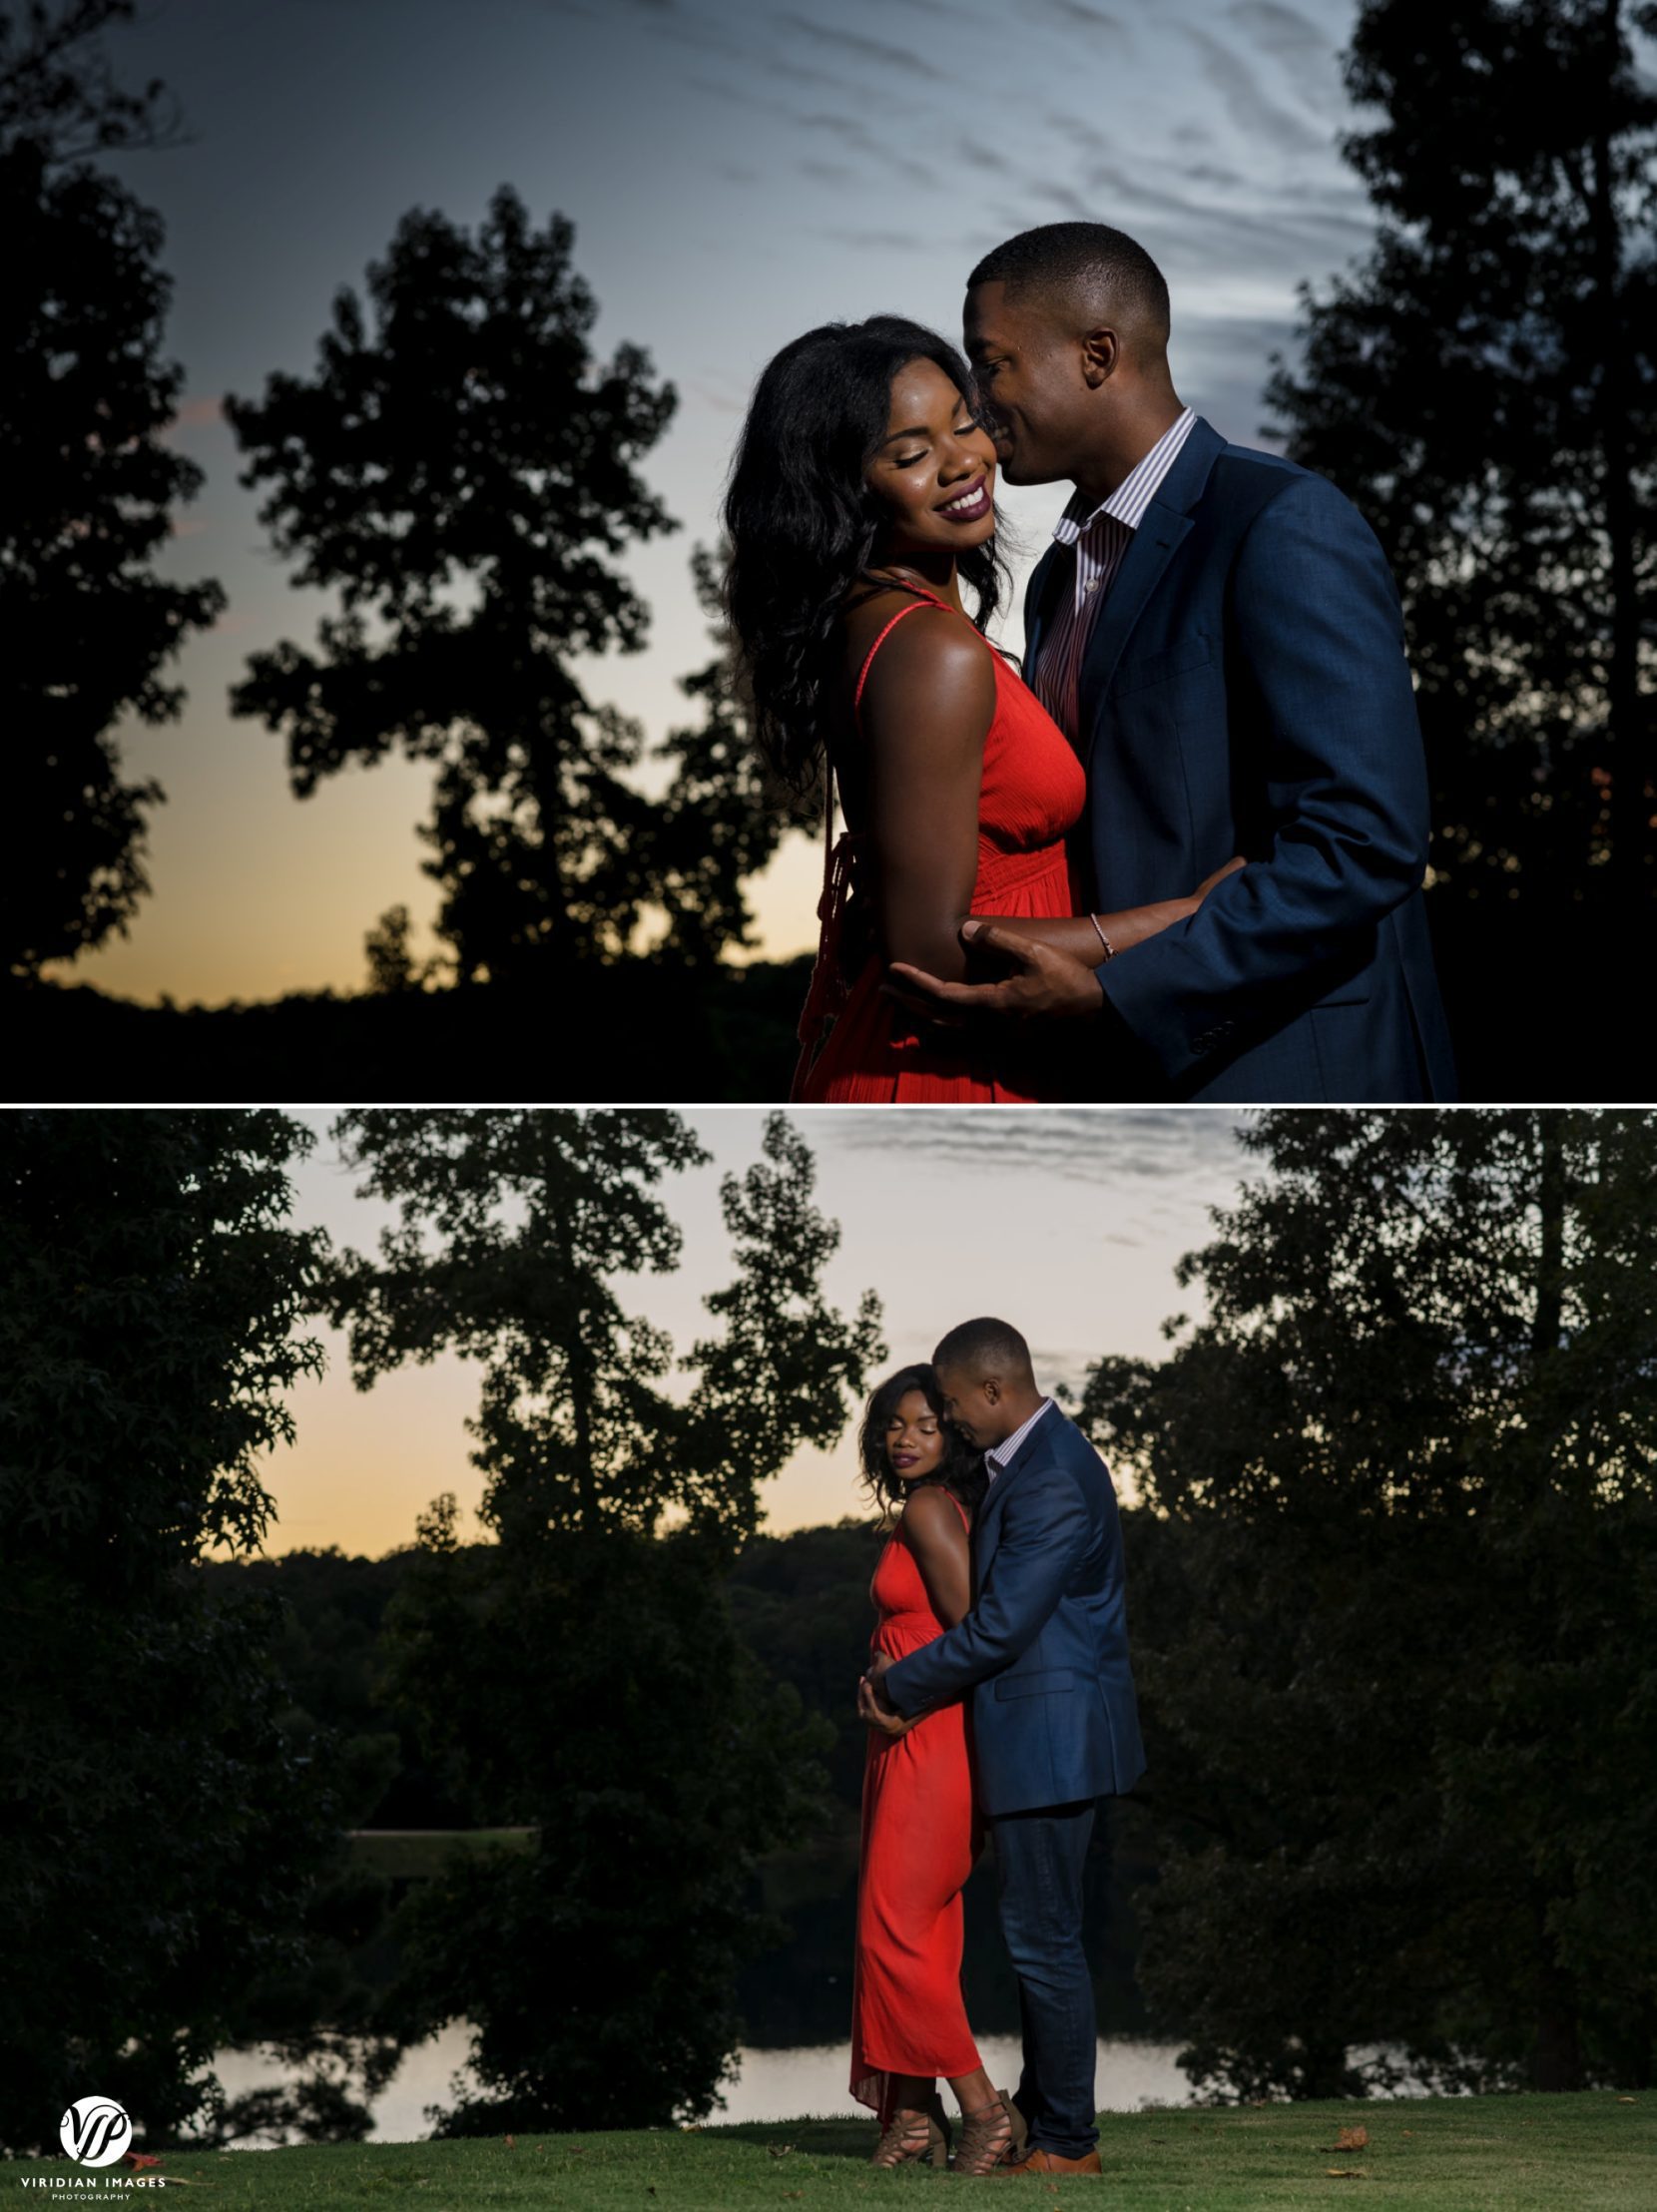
771, 2084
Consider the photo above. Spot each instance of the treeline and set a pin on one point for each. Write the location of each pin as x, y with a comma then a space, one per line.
463, 475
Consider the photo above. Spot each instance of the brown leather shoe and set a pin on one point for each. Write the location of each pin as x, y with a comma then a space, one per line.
1040, 2161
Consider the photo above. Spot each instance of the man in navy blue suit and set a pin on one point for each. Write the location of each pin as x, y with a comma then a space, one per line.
1052, 1719
1218, 632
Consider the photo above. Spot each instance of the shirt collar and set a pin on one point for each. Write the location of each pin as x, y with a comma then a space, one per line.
1000, 1457
1128, 502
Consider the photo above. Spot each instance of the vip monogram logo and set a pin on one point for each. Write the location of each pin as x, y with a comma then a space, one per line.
95, 2130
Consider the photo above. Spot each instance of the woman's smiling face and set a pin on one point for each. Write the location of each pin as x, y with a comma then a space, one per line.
936, 470
915, 1438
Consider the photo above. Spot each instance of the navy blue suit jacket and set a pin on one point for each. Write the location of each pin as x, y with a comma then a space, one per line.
1245, 690
1044, 1650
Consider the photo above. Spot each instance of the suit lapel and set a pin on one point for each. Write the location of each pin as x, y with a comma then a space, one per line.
1166, 525
1027, 1451
1154, 545
1054, 569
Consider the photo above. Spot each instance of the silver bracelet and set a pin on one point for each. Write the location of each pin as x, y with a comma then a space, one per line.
1110, 949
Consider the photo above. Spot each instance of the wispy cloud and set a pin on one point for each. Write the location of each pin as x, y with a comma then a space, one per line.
1077, 15
1302, 49
867, 49
199, 410
1134, 1145
1248, 105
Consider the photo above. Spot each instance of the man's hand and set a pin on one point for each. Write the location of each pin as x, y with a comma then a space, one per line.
1048, 985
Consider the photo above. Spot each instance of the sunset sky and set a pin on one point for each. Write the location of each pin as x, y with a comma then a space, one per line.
1067, 1224
736, 171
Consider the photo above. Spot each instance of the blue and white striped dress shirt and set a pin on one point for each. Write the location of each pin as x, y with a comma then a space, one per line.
1001, 1456
1101, 538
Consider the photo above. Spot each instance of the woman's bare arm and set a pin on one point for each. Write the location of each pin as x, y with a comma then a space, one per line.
1125, 926
932, 1527
926, 708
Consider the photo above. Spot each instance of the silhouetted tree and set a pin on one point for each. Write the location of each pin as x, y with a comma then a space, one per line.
164, 1823
515, 1228
392, 967
724, 815
1485, 385
463, 474
583, 1675
58, 90
90, 485
1395, 1637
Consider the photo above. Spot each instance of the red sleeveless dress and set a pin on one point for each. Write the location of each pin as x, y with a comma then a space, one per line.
907, 2015
1032, 792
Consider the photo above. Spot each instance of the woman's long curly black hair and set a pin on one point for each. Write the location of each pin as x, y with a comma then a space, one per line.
803, 527
961, 1468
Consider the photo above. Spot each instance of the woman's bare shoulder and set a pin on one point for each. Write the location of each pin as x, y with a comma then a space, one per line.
938, 662
930, 1512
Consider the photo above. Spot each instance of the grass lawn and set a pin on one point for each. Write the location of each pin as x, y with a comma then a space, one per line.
1594, 2153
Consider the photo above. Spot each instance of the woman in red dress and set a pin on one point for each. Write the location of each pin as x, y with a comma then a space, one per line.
862, 496
919, 1835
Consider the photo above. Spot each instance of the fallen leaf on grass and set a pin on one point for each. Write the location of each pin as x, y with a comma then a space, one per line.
138, 2159
1628, 2100
511, 2143
779, 2150
1344, 2173
1352, 2138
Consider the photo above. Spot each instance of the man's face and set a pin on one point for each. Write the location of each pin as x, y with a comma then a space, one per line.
977, 1409
1031, 390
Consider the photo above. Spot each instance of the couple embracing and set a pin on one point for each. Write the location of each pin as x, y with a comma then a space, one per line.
1180, 854
999, 1699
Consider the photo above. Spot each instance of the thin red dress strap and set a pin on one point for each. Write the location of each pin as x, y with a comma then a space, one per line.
868, 656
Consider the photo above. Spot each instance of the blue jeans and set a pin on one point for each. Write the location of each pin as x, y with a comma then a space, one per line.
1039, 1857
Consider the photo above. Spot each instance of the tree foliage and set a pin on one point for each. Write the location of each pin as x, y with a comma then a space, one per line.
163, 1826
1484, 384
91, 485
724, 814
581, 1673
1401, 1698
58, 88
515, 1226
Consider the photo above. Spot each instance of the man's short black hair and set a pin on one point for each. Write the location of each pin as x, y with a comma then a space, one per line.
986, 1347
1078, 264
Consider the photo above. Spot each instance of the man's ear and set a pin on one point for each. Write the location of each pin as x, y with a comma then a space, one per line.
991, 1388
1101, 356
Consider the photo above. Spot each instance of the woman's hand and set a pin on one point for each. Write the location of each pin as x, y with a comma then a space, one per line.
1207, 883
888, 1722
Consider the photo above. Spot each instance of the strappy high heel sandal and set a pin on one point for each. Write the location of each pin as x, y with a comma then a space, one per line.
1020, 2132
986, 2138
905, 2144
